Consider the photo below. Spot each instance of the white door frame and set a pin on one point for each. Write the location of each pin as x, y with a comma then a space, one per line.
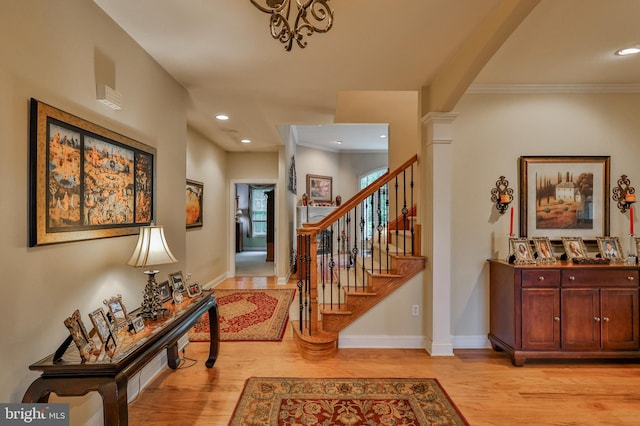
232, 215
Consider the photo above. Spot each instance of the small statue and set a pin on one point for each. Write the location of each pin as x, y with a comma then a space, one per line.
305, 199
338, 200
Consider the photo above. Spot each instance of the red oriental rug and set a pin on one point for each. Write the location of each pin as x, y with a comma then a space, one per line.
247, 315
294, 401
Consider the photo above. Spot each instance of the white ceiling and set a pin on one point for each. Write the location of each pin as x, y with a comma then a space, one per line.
221, 51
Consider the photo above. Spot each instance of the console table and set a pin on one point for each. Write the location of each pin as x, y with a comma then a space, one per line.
564, 310
109, 373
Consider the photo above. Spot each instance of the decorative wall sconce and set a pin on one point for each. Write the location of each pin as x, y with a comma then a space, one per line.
502, 195
624, 194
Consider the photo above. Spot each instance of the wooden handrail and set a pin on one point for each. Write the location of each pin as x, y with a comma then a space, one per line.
361, 196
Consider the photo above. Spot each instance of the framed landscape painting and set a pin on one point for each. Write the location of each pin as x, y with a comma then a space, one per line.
564, 196
320, 188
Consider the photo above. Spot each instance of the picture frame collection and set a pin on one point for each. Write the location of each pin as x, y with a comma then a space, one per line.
114, 318
565, 212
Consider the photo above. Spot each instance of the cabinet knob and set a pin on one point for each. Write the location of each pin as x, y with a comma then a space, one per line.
572, 278
556, 318
597, 319
541, 278
630, 278
605, 318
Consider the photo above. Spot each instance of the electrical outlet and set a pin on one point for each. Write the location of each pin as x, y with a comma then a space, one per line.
415, 310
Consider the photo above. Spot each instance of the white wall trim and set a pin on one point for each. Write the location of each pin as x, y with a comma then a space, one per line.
551, 88
381, 342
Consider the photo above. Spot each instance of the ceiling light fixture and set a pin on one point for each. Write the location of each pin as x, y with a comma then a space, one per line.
629, 50
313, 16
222, 117
245, 140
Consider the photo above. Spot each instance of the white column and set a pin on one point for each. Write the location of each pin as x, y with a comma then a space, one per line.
437, 189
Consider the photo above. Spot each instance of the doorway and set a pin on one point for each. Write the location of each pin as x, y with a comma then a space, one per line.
254, 229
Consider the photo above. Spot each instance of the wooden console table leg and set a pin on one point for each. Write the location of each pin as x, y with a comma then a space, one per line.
114, 401
214, 335
173, 356
39, 391
112, 390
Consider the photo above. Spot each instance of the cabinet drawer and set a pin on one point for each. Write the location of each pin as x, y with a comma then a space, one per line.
541, 278
599, 278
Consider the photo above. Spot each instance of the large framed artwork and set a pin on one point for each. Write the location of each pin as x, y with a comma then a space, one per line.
319, 188
85, 181
564, 197
194, 203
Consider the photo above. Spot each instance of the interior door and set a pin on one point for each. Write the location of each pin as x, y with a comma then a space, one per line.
270, 224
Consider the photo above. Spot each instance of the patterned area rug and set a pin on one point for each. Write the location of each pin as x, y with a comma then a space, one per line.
292, 401
247, 315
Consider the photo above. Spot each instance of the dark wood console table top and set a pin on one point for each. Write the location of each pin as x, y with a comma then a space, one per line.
109, 373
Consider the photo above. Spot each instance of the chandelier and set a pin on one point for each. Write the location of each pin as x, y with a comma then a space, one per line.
313, 16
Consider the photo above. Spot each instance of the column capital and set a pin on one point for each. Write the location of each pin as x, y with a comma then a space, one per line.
438, 127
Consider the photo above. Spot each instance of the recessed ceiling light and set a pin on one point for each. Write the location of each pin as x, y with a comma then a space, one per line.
245, 140
222, 117
383, 136
338, 142
629, 50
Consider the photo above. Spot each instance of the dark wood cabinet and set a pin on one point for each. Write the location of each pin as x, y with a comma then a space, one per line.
563, 310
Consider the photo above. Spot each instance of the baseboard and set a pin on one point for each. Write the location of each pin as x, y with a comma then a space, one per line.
214, 282
471, 342
381, 342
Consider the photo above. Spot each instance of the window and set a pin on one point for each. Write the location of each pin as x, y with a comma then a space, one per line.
371, 204
258, 211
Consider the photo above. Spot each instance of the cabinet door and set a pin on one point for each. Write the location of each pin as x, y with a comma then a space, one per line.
580, 319
540, 318
619, 319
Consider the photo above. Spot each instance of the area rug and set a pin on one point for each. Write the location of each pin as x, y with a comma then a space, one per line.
297, 401
247, 315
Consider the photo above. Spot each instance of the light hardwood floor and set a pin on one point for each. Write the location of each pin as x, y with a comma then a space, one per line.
484, 385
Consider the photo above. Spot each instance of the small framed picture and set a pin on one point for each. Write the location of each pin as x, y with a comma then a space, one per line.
177, 282
522, 250
117, 312
85, 344
610, 248
193, 289
574, 248
137, 324
165, 291
102, 326
544, 249
177, 297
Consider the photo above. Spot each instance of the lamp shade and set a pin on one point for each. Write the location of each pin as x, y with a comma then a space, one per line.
151, 248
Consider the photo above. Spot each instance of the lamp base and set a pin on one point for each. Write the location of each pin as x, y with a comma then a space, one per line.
151, 302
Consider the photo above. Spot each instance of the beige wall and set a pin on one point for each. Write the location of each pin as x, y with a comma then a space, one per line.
490, 134
48, 51
207, 260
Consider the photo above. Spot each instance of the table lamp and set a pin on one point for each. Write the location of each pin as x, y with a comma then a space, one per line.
151, 249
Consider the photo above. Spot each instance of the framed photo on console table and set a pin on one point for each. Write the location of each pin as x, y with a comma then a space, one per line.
610, 248
543, 249
564, 197
522, 250
574, 248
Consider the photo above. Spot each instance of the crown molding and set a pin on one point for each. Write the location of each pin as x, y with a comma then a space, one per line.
551, 88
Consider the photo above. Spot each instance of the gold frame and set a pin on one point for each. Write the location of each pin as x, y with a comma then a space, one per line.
102, 326
570, 249
118, 312
617, 247
521, 257
86, 345
326, 184
539, 244
67, 161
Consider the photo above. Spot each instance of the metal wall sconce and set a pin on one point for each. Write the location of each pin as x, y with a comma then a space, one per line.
624, 194
502, 195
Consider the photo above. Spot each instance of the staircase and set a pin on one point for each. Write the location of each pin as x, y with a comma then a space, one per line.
354, 258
